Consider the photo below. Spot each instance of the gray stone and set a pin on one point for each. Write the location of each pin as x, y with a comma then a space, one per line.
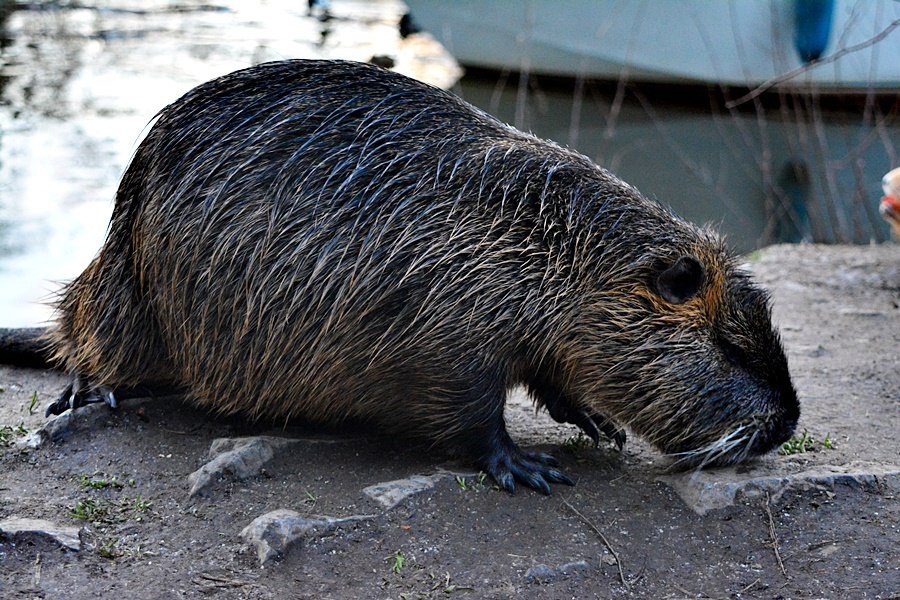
237, 458
242, 458
391, 493
540, 574
71, 422
576, 566
67, 537
273, 533
60, 427
707, 490
32, 441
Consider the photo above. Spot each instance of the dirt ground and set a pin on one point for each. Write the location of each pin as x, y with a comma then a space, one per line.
817, 524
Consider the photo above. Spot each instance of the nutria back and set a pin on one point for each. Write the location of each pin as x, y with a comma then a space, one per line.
330, 240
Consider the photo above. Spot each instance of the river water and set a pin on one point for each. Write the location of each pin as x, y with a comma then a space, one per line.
80, 82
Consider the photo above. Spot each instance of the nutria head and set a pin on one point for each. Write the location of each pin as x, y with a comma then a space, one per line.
680, 346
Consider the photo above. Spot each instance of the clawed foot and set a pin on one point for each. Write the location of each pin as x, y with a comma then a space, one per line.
592, 423
509, 464
76, 395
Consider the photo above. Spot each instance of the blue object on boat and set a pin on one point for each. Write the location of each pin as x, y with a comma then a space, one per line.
812, 27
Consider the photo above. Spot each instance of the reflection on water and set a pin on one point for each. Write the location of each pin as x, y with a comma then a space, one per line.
789, 171
79, 84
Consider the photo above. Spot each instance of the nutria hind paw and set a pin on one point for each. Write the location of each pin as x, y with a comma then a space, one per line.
73, 398
536, 470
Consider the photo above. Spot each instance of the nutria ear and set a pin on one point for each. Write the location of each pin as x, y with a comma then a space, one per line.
680, 282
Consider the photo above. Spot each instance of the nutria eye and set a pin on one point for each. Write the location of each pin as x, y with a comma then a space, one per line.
680, 282
733, 353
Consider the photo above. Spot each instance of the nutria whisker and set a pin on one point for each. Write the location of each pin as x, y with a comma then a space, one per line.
699, 458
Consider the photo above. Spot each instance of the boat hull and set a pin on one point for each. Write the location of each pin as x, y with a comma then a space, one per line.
726, 43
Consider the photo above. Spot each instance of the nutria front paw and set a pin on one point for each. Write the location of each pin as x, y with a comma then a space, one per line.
509, 464
607, 427
592, 423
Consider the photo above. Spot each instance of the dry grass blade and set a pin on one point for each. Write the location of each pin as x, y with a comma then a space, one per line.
218, 581
773, 537
36, 580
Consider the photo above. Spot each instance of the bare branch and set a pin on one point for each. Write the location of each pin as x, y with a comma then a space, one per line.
769, 83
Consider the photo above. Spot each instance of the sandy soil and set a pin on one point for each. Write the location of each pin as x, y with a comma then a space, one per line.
821, 524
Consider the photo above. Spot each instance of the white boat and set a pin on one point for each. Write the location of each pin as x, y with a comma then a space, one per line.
854, 45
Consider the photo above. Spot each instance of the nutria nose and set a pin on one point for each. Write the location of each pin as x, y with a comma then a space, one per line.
782, 424
766, 441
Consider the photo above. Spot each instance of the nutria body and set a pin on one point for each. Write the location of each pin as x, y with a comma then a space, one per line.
331, 241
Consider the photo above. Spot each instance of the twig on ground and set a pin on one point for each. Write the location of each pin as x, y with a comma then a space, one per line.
609, 547
217, 581
36, 580
773, 537
688, 595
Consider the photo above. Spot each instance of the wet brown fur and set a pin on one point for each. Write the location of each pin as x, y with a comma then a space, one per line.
333, 241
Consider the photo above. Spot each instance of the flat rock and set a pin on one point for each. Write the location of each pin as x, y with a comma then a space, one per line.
236, 458
72, 422
391, 493
704, 491
242, 458
542, 573
67, 537
273, 533
576, 566
62, 426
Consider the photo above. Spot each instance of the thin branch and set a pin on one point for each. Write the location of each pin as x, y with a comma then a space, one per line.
769, 83
609, 547
773, 537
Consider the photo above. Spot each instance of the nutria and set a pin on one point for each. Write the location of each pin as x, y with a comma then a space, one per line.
333, 241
